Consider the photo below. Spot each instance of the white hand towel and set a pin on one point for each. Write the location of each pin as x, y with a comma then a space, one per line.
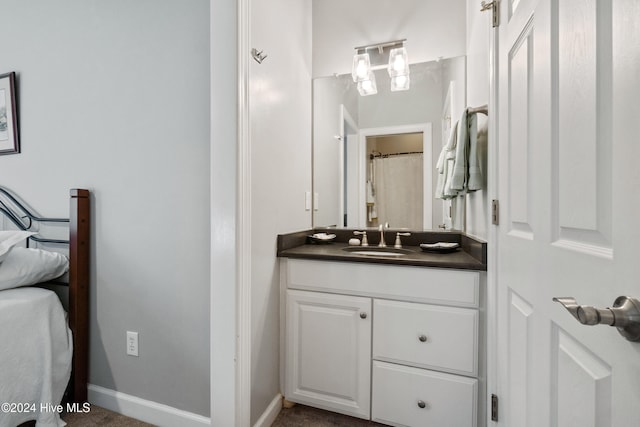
443, 166
459, 176
370, 199
475, 173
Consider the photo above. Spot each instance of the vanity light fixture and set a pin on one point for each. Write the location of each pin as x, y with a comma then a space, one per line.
391, 55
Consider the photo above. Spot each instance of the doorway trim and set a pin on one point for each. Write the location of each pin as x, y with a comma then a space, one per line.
230, 217
427, 149
493, 385
345, 117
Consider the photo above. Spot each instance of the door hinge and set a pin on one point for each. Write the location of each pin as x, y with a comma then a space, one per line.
495, 10
494, 407
495, 212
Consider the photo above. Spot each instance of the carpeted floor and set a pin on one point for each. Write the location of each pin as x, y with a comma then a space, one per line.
98, 416
306, 416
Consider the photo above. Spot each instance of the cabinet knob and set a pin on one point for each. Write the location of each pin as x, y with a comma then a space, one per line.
422, 338
363, 315
422, 404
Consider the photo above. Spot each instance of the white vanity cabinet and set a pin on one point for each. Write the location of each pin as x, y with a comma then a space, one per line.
396, 344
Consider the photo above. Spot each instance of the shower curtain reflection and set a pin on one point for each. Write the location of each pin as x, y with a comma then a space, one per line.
397, 187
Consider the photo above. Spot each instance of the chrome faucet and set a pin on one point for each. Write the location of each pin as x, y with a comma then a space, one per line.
382, 227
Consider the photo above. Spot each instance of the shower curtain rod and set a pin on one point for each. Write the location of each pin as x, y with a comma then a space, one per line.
380, 155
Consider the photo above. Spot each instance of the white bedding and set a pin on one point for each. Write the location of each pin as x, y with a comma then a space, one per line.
35, 356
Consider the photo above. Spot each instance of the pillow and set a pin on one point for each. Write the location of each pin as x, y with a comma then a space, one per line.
24, 267
10, 238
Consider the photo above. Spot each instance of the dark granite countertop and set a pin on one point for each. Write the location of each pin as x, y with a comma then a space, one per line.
472, 254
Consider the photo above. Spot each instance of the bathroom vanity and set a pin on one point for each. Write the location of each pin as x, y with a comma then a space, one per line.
394, 339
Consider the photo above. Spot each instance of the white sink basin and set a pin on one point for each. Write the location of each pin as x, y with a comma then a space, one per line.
377, 251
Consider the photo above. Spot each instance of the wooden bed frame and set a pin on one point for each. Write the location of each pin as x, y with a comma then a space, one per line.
79, 261
79, 279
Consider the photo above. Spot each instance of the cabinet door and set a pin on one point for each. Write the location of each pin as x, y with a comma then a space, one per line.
328, 351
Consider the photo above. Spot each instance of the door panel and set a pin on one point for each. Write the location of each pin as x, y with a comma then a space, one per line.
583, 384
581, 133
520, 349
519, 89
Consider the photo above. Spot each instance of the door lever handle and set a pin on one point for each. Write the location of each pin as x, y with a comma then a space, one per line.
624, 315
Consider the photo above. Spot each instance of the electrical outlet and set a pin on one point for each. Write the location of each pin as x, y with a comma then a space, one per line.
132, 343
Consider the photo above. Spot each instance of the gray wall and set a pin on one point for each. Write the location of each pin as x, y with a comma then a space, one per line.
114, 97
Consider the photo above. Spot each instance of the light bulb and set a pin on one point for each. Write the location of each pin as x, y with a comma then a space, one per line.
361, 67
398, 62
368, 87
399, 83
362, 70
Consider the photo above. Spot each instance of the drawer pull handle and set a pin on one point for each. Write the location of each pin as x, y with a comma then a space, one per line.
363, 315
422, 338
422, 404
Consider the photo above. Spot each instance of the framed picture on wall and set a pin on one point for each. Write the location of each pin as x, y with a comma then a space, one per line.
9, 141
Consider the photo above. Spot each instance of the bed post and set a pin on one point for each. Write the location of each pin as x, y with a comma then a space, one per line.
79, 259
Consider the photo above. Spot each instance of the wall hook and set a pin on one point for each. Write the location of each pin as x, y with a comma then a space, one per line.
259, 56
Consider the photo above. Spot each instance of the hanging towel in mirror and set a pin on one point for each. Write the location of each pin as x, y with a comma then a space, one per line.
444, 167
466, 169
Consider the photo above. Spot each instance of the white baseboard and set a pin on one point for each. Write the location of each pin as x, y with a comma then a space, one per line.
144, 410
271, 413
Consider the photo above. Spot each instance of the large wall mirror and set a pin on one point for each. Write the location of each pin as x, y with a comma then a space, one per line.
374, 157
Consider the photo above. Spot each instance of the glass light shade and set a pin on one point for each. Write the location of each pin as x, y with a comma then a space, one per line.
398, 62
400, 83
361, 67
368, 87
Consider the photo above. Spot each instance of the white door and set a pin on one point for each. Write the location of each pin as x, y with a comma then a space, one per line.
569, 152
328, 351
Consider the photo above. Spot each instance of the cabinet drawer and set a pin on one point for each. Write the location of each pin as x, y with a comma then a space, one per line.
419, 284
428, 336
399, 392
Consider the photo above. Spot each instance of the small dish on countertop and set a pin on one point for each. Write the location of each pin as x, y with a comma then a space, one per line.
320, 238
440, 247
